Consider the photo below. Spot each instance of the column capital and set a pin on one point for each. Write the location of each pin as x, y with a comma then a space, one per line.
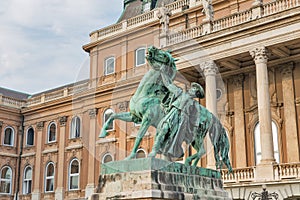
93, 112
63, 120
260, 54
1, 124
40, 125
209, 68
238, 80
287, 69
123, 106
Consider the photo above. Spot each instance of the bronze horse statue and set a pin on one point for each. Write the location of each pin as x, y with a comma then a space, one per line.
145, 108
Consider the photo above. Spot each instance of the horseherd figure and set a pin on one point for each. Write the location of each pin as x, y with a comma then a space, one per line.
177, 117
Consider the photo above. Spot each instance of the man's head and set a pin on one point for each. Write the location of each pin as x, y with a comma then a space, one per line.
196, 90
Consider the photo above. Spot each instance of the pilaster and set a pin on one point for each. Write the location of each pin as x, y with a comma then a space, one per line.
59, 192
36, 193
239, 121
90, 187
290, 113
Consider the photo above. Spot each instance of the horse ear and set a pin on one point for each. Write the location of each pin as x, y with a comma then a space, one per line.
169, 51
176, 59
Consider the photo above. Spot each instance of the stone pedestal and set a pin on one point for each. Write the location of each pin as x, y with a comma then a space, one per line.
151, 178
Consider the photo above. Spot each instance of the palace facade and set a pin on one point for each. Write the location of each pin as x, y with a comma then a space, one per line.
245, 53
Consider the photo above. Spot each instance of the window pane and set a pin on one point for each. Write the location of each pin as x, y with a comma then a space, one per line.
109, 66
140, 154
74, 182
52, 133
50, 170
30, 136
6, 173
107, 114
8, 136
5, 187
49, 185
107, 158
75, 129
28, 173
140, 57
75, 167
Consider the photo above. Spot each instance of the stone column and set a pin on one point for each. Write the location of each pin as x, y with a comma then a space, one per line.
38, 169
264, 169
290, 117
60, 190
239, 122
210, 69
90, 187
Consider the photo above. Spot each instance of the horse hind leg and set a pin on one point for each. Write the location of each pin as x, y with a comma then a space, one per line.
125, 116
141, 133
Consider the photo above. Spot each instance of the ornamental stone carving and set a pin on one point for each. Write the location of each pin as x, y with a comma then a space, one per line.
123, 106
93, 112
1, 124
40, 125
209, 68
238, 80
63, 121
260, 54
287, 70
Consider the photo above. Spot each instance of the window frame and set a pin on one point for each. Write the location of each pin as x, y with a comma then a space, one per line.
143, 150
48, 133
12, 139
104, 118
27, 132
6, 180
136, 56
106, 65
46, 177
105, 155
26, 181
72, 134
70, 175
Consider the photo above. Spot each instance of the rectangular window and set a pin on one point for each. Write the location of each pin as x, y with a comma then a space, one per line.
109, 66
140, 56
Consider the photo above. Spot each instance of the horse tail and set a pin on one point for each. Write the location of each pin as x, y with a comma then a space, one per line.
220, 141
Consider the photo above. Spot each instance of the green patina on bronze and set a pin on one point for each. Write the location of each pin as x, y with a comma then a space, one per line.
154, 164
177, 116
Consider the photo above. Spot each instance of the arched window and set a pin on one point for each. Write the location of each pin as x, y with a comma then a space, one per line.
140, 153
74, 175
75, 127
5, 180
30, 137
106, 115
51, 132
9, 136
140, 56
109, 65
27, 180
107, 158
49, 177
258, 142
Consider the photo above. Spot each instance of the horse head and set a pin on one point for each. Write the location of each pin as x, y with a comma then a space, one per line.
158, 58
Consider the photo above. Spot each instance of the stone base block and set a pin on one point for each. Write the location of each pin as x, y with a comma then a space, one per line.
152, 178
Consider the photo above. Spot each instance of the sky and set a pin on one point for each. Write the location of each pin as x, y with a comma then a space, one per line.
41, 40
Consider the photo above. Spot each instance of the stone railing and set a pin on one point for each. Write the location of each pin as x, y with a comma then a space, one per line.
11, 102
59, 93
287, 171
232, 20
185, 35
140, 20
278, 6
239, 175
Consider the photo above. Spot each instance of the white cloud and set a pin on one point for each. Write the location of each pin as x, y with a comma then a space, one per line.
41, 40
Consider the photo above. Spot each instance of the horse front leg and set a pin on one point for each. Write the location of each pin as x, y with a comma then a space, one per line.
125, 116
141, 133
